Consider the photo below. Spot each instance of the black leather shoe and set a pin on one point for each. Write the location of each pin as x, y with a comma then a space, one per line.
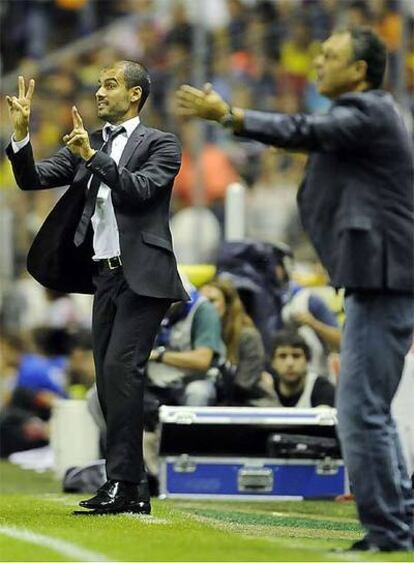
363, 545
117, 496
360, 545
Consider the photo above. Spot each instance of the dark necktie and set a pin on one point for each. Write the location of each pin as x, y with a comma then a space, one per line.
88, 210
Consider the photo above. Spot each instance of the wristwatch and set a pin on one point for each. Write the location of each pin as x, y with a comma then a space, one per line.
160, 353
227, 120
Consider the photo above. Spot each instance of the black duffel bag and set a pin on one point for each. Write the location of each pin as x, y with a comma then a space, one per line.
300, 446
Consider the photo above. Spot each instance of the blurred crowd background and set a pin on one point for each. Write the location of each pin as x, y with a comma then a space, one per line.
256, 53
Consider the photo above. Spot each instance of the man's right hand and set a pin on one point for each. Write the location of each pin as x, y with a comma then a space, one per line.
19, 109
206, 103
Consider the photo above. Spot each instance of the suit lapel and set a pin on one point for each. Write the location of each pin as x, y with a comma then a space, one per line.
134, 140
96, 140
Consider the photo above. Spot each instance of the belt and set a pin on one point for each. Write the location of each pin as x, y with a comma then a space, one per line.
110, 263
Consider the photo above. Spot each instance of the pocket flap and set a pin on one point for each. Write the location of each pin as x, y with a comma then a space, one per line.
155, 240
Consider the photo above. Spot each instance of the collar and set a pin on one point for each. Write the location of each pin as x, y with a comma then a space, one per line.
130, 125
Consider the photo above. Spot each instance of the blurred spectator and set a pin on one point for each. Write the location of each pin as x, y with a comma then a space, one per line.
295, 384
61, 311
296, 57
321, 16
305, 311
180, 30
27, 305
23, 421
357, 12
44, 368
390, 27
217, 171
23, 304
250, 266
261, 272
267, 15
188, 345
31, 382
271, 201
12, 347
244, 347
237, 25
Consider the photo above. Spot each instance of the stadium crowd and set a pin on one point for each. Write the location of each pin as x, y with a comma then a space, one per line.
257, 54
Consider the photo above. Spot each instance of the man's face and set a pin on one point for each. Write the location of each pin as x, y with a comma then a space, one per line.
290, 363
116, 102
336, 70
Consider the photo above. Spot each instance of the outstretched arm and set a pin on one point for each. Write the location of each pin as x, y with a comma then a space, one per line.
347, 127
207, 104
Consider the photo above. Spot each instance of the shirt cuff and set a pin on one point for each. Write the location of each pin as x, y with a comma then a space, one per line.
17, 145
91, 159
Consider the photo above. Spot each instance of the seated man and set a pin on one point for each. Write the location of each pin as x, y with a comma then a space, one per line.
307, 313
28, 392
189, 344
294, 384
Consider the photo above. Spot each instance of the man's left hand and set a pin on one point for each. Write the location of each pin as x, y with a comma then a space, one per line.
78, 139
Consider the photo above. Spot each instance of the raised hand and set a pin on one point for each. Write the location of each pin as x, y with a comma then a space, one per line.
19, 108
206, 103
78, 139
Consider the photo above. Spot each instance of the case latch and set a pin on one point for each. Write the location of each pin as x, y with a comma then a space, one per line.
255, 480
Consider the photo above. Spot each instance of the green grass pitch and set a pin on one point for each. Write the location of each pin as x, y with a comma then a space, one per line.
36, 524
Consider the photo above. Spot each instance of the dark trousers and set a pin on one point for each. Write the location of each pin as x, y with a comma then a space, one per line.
124, 328
377, 335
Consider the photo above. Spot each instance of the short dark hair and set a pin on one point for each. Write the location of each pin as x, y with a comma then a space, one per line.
369, 47
292, 339
136, 74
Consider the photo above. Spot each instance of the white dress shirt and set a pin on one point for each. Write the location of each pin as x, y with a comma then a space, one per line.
106, 235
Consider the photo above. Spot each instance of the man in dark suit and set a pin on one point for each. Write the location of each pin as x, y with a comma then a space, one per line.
356, 203
109, 235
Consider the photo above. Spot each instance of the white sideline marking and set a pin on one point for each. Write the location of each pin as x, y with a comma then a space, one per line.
60, 546
145, 518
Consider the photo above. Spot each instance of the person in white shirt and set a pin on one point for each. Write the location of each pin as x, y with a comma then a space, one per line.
109, 235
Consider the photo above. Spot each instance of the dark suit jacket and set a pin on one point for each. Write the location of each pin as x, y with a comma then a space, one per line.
357, 198
141, 188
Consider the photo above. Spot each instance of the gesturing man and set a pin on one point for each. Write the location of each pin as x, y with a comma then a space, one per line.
356, 203
109, 235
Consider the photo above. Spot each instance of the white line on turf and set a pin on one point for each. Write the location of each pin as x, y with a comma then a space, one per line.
144, 518
60, 546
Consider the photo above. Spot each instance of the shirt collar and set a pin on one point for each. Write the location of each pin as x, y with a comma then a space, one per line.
129, 124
